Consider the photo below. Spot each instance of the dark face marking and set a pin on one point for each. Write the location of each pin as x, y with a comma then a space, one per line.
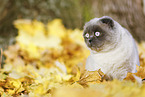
106, 36
93, 41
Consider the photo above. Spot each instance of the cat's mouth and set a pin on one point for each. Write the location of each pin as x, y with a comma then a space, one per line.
96, 48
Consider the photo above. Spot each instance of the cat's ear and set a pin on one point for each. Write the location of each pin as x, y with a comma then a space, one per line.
108, 21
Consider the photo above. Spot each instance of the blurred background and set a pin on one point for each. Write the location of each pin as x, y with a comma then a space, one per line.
74, 13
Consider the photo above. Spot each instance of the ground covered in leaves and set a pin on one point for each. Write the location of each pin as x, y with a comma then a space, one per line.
49, 60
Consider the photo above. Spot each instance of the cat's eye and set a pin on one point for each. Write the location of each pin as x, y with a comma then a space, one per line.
87, 35
97, 33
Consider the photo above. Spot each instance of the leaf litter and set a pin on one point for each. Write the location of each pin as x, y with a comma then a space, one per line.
49, 61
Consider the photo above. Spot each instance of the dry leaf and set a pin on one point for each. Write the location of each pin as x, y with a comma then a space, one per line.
48, 61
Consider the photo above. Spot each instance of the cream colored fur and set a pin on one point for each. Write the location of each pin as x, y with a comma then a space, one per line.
117, 62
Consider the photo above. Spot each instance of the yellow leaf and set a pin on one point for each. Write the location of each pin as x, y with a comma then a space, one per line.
29, 27
56, 29
31, 50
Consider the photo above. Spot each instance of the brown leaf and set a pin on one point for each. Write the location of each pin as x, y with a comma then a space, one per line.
91, 77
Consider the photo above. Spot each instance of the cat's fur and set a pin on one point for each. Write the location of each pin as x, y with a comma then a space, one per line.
114, 51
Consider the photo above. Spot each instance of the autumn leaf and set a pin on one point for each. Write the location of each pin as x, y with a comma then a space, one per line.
49, 61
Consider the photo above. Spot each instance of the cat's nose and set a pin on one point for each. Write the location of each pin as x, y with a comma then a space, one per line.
90, 40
